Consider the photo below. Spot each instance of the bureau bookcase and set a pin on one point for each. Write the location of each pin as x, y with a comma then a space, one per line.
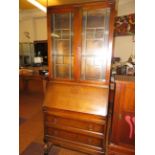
75, 107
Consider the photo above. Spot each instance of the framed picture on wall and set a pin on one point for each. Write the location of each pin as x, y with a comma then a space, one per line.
124, 25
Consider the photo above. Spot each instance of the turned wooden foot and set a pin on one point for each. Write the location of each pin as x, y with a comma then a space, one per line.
46, 148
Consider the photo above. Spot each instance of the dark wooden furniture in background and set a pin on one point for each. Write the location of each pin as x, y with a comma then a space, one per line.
80, 38
40, 49
122, 136
30, 79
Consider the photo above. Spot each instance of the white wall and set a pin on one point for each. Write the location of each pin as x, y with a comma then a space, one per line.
26, 26
124, 45
34, 22
40, 31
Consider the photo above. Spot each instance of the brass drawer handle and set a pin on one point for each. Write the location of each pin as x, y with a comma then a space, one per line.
55, 120
90, 140
55, 132
90, 127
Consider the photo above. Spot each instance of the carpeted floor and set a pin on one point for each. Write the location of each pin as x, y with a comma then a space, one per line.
30, 119
33, 149
37, 149
31, 127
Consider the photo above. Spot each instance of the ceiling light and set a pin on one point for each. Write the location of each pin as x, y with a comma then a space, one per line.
38, 5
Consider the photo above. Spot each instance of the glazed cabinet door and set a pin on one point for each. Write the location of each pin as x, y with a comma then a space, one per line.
61, 44
95, 32
79, 42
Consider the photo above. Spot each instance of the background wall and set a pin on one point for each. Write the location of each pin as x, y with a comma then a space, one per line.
34, 22
124, 45
40, 24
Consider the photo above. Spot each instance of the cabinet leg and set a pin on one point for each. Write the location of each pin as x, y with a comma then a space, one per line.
47, 147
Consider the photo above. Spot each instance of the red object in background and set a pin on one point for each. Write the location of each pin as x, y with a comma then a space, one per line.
125, 25
122, 136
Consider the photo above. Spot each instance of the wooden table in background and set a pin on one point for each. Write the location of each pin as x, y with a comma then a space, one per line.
28, 74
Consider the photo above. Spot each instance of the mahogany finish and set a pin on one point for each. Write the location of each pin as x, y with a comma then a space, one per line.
76, 114
76, 100
122, 140
30, 79
77, 10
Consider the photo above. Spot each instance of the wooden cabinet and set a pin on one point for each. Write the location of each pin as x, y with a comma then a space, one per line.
75, 116
122, 138
76, 100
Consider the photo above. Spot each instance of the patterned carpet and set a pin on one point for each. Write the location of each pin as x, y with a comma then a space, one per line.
31, 128
37, 149
33, 149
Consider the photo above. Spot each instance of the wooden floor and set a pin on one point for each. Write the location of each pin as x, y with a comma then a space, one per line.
31, 125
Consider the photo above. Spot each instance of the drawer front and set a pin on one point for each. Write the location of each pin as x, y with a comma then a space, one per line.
75, 137
75, 123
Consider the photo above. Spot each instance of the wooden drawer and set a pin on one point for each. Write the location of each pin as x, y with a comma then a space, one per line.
74, 137
74, 123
